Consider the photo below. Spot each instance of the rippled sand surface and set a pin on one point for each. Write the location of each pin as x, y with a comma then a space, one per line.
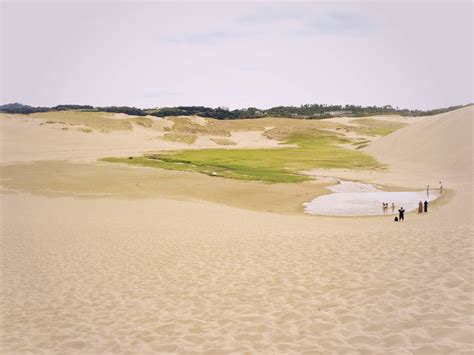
268, 283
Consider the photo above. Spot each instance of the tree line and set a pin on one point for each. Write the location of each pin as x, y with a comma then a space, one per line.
25, 109
309, 111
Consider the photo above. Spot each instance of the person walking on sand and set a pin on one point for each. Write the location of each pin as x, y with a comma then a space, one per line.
393, 207
440, 187
427, 190
426, 206
420, 207
401, 214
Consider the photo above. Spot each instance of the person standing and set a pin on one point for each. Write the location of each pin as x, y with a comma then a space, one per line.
420, 207
393, 207
426, 206
401, 214
427, 190
440, 187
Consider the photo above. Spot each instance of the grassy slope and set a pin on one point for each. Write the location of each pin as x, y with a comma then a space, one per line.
373, 127
270, 165
100, 121
315, 147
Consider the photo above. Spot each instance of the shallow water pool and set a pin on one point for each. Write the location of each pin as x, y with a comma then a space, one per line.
358, 199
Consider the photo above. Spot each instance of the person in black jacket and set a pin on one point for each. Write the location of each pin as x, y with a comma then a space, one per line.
401, 214
426, 206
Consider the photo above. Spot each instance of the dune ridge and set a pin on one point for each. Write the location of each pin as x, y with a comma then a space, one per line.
435, 144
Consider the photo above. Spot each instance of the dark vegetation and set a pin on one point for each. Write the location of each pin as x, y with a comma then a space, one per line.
25, 109
314, 111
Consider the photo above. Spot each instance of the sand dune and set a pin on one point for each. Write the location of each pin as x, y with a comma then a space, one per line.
121, 274
32, 139
438, 144
157, 275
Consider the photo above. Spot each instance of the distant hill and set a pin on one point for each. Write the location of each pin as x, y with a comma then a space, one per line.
13, 106
20, 108
310, 111
25, 109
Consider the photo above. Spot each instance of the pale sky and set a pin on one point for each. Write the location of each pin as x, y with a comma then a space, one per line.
237, 54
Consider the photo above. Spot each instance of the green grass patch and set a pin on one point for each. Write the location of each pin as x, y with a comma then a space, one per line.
270, 165
373, 127
383, 131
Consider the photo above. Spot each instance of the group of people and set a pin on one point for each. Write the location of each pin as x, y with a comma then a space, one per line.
422, 206
385, 207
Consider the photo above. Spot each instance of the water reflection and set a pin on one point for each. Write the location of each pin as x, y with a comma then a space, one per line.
358, 199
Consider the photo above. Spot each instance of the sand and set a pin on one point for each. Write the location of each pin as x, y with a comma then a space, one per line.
116, 273
85, 180
26, 139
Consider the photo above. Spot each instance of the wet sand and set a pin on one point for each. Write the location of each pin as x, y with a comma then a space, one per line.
99, 180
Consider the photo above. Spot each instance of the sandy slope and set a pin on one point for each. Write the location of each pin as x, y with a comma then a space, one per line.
440, 144
434, 149
30, 139
135, 275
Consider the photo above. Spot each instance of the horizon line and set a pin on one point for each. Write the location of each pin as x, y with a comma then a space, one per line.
397, 108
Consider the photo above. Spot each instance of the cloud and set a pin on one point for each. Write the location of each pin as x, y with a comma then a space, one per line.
311, 21
295, 22
340, 23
